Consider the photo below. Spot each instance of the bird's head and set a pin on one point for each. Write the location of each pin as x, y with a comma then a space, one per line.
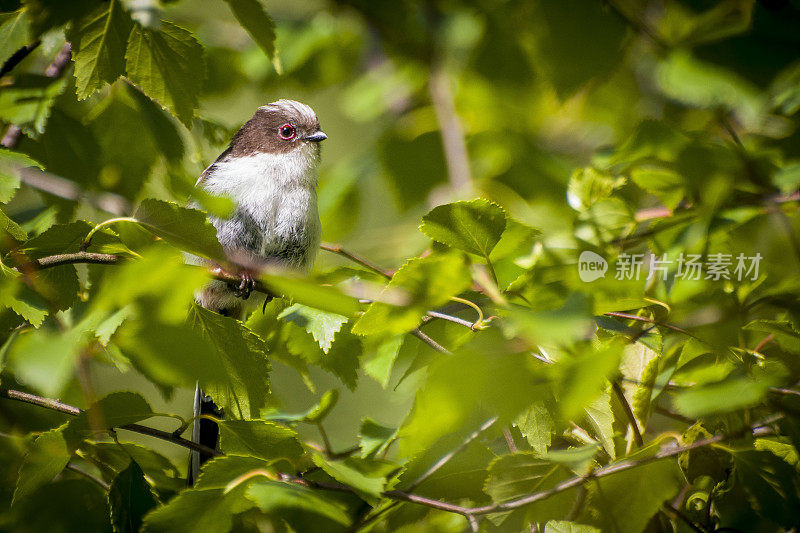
281, 127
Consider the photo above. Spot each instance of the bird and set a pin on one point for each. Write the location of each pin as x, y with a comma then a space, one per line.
270, 170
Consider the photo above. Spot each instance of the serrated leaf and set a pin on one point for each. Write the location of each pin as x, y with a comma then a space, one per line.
459, 388
99, 45
474, 226
130, 497
14, 33
253, 18
601, 418
307, 292
724, 396
188, 229
366, 476
520, 474
562, 526
259, 438
207, 510
10, 165
429, 282
769, 483
242, 358
167, 63
537, 426
46, 459
115, 410
11, 228
302, 508
321, 324
628, 499
28, 102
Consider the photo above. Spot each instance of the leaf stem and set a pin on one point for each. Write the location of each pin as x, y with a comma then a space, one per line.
88, 239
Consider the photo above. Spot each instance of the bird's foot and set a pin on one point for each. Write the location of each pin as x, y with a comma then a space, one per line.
245, 287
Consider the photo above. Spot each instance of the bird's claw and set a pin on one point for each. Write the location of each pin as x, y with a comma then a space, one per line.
245, 287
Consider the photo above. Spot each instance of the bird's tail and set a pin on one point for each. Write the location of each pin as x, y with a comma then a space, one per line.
204, 431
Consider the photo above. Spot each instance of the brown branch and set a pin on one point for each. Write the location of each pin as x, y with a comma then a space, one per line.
470, 513
338, 250
55, 405
430, 342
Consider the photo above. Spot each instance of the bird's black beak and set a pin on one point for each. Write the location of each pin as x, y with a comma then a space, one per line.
316, 137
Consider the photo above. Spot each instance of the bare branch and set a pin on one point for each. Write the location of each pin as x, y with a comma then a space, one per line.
338, 250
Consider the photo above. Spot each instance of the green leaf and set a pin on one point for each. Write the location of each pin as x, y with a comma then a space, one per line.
253, 18
8, 226
28, 102
186, 228
207, 510
46, 459
374, 438
460, 393
769, 484
309, 293
261, 439
537, 426
639, 367
10, 165
629, 498
44, 359
562, 526
601, 417
429, 283
241, 356
302, 508
321, 324
115, 410
14, 33
99, 44
474, 226
521, 474
167, 63
366, 476
130, 497
589, 185
722, 397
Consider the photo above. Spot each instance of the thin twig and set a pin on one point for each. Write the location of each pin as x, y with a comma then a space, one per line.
89, 475
470, 513
685, 519
338, 250
55, 405
430, 342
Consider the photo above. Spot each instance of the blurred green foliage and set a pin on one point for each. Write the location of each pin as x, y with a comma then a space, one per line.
477, 150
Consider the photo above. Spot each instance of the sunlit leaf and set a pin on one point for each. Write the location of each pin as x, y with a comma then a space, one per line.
167, 63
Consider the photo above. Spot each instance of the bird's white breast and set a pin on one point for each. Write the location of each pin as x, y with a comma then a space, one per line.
277, 190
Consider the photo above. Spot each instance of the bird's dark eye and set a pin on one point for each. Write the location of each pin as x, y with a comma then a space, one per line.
286, 132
